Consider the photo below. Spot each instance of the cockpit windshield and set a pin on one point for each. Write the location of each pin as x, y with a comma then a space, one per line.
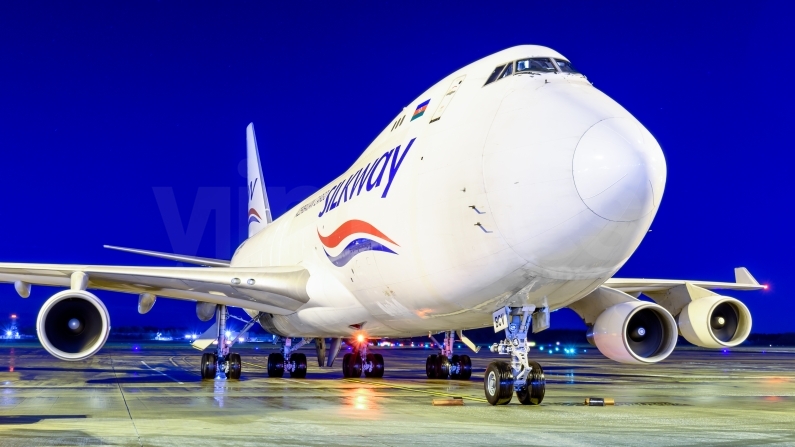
532, 65
541, 64
565, 66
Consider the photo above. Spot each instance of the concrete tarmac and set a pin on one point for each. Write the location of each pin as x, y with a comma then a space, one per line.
151, 395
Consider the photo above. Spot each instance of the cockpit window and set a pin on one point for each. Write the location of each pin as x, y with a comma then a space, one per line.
508, 71
494, 74
565, 66
541, 64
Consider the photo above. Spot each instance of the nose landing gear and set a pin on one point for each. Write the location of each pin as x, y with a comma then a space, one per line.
520, 375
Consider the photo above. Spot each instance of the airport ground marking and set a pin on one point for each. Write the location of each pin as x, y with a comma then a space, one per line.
162, 373
416, 390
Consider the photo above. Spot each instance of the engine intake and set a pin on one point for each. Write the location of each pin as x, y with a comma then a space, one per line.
73, 325
635, 332
715, 322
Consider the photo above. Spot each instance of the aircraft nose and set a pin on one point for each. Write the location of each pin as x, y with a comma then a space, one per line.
619, 170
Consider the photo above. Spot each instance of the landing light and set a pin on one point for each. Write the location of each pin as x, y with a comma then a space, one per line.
360, 338
14, 316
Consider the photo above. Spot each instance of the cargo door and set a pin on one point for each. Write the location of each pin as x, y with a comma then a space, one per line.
448, 97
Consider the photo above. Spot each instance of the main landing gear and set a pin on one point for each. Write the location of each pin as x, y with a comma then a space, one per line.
222, 364
520, 375
360, 361
446, 365
288, 360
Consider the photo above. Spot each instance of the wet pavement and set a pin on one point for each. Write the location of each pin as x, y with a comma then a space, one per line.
151, 394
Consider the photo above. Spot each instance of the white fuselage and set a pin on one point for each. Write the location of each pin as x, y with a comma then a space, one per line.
534, 187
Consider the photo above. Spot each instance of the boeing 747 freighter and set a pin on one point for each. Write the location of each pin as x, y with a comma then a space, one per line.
507, 190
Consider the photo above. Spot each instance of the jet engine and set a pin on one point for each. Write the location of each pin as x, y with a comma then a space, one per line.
73, 325
634, 332
715, 321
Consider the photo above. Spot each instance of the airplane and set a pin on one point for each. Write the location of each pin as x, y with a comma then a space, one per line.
509, 189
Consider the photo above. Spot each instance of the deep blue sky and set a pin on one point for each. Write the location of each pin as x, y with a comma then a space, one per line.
100, 103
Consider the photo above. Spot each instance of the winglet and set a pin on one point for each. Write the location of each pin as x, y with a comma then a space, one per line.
259, 210
743, 276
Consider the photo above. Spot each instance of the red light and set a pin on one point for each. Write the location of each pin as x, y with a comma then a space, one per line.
765, 286
15, 315
360, 338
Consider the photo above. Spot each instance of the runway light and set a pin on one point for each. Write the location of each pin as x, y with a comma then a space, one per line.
14, 316
228, 334
8, 333
557, 343
187, 336
241, 339
557, 349
541, 348
193, 336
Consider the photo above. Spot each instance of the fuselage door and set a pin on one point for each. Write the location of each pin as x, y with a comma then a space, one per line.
447, 98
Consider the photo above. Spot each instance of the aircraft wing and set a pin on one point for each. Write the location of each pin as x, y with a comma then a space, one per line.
743, 281
275, 290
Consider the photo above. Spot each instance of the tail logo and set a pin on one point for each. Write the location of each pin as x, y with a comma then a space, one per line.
253, 216
356, 246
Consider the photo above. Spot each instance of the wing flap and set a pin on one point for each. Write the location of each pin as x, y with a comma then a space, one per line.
278, 290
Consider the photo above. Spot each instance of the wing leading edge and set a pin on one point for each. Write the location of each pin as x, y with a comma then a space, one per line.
743, 281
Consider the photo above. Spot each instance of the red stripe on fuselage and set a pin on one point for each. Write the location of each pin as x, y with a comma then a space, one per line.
254, 212
348, 228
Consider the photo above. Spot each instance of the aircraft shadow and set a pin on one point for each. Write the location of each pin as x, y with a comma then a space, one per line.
32, 419
142, 379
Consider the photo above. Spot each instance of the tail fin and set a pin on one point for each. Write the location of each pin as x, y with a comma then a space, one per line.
259, 211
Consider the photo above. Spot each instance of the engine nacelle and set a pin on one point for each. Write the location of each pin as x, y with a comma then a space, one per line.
73, 325
715, 322
635, 332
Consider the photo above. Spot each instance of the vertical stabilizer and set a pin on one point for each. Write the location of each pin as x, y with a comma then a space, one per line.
259, 211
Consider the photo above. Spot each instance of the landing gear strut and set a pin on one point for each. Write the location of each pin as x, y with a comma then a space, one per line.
358, 361
221, 364
521, 375
445, 364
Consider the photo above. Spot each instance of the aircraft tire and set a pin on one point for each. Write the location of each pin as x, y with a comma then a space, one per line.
352, 365
235, 365
377, 361
430, 366
442, 367
465, 367
208, 366
300, 365
533, 394
455, 361
498, 383
275, 364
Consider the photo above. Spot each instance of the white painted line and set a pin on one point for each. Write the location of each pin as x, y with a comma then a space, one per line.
162, 373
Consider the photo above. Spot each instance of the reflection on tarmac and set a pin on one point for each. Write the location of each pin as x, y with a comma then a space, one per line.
153, 395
